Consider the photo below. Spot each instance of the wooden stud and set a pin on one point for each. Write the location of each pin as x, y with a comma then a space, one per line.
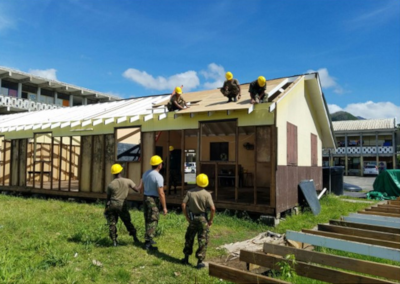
356, 265
51, 162
384, 209
183, 156
349, 246
274, 149
358, 239
255, 165
307, 270
70, 163
60, 163
359, 232
91, 164
239, 276
4, 161
379, 213
236, 162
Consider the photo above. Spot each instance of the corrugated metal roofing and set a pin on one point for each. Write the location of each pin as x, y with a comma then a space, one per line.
370, 124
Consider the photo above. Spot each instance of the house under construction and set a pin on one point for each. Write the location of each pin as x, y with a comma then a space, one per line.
254, 155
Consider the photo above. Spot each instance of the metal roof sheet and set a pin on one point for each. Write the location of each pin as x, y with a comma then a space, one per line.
370, 124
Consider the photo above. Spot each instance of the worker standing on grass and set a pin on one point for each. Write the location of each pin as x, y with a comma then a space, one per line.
153, 183
116, 206
194, 206
231, 88
257, 90
177, 102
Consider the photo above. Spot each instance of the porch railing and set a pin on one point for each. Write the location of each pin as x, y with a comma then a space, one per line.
26, 104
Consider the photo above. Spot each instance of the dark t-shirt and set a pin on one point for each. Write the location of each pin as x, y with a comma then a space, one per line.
118, 190
255, 89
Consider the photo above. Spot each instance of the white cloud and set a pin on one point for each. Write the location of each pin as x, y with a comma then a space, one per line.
334, 108
373, 110
47, 73
328, 81
370, 110
216, 73
188, 79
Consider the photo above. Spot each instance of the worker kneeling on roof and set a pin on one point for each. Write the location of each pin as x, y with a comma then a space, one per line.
257, 90
231, 88
177, 102
197, 201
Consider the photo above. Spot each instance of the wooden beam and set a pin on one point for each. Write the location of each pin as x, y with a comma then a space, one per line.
394, 202
365, 226
371, 241
349, 246
388, 206
379, 213
384, 209
359, 232
239, 276
307, 270
352, 264
368, 221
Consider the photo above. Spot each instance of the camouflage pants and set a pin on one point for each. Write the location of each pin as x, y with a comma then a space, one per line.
112, 213
151, 216
198, 226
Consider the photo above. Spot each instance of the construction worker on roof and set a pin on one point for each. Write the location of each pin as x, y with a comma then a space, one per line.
231, 88
194, 206
257, 90
177, 102
116, 206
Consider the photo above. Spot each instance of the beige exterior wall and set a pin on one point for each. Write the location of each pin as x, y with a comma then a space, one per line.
296, 107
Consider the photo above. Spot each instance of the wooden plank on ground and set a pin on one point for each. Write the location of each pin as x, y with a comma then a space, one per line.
359, 232
379, 213
356, 265
371, 221
365, 226
388, 206
349, 246
394, 202
307, 270
371, 241
384, 209
239, 276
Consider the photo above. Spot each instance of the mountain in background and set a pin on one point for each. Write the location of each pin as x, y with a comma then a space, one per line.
361, 118
342, 115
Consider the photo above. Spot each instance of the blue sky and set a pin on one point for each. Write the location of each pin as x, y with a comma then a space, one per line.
138, 48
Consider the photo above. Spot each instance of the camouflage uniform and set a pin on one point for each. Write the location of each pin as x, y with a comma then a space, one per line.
115, 210
117, 192
231, 89
197, 226
257, 92
175, 98
151, 216
197, 201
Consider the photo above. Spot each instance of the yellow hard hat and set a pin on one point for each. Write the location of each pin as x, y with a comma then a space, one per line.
155, 160
229, 76
171, 148
261, 81
116, 169
178, 90
202, 180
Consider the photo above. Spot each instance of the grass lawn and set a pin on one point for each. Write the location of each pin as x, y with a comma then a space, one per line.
52, 241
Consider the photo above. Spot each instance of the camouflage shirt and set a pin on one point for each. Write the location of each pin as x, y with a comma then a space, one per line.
254, 88
231, 86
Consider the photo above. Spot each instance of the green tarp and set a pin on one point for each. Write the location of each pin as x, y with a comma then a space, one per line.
388, 182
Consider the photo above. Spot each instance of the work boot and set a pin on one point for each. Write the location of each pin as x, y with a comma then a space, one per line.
200, 264
185, 260
148, 246
135, 239
229, 100
234, 99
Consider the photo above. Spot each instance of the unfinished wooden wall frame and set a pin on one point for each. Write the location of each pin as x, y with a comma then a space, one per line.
5, 161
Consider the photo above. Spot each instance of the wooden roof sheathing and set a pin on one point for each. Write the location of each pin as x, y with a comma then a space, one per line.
370, 124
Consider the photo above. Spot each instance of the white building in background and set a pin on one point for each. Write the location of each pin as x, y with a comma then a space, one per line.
362, 143
20, 91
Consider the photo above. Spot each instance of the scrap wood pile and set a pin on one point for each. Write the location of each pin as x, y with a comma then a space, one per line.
362, 233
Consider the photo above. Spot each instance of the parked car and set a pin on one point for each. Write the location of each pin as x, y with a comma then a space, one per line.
190, 167
371, 170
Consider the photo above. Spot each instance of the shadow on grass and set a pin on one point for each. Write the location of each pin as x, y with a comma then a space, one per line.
159, 254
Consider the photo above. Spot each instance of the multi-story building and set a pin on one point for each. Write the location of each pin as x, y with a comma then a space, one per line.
20, 91
364, 143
